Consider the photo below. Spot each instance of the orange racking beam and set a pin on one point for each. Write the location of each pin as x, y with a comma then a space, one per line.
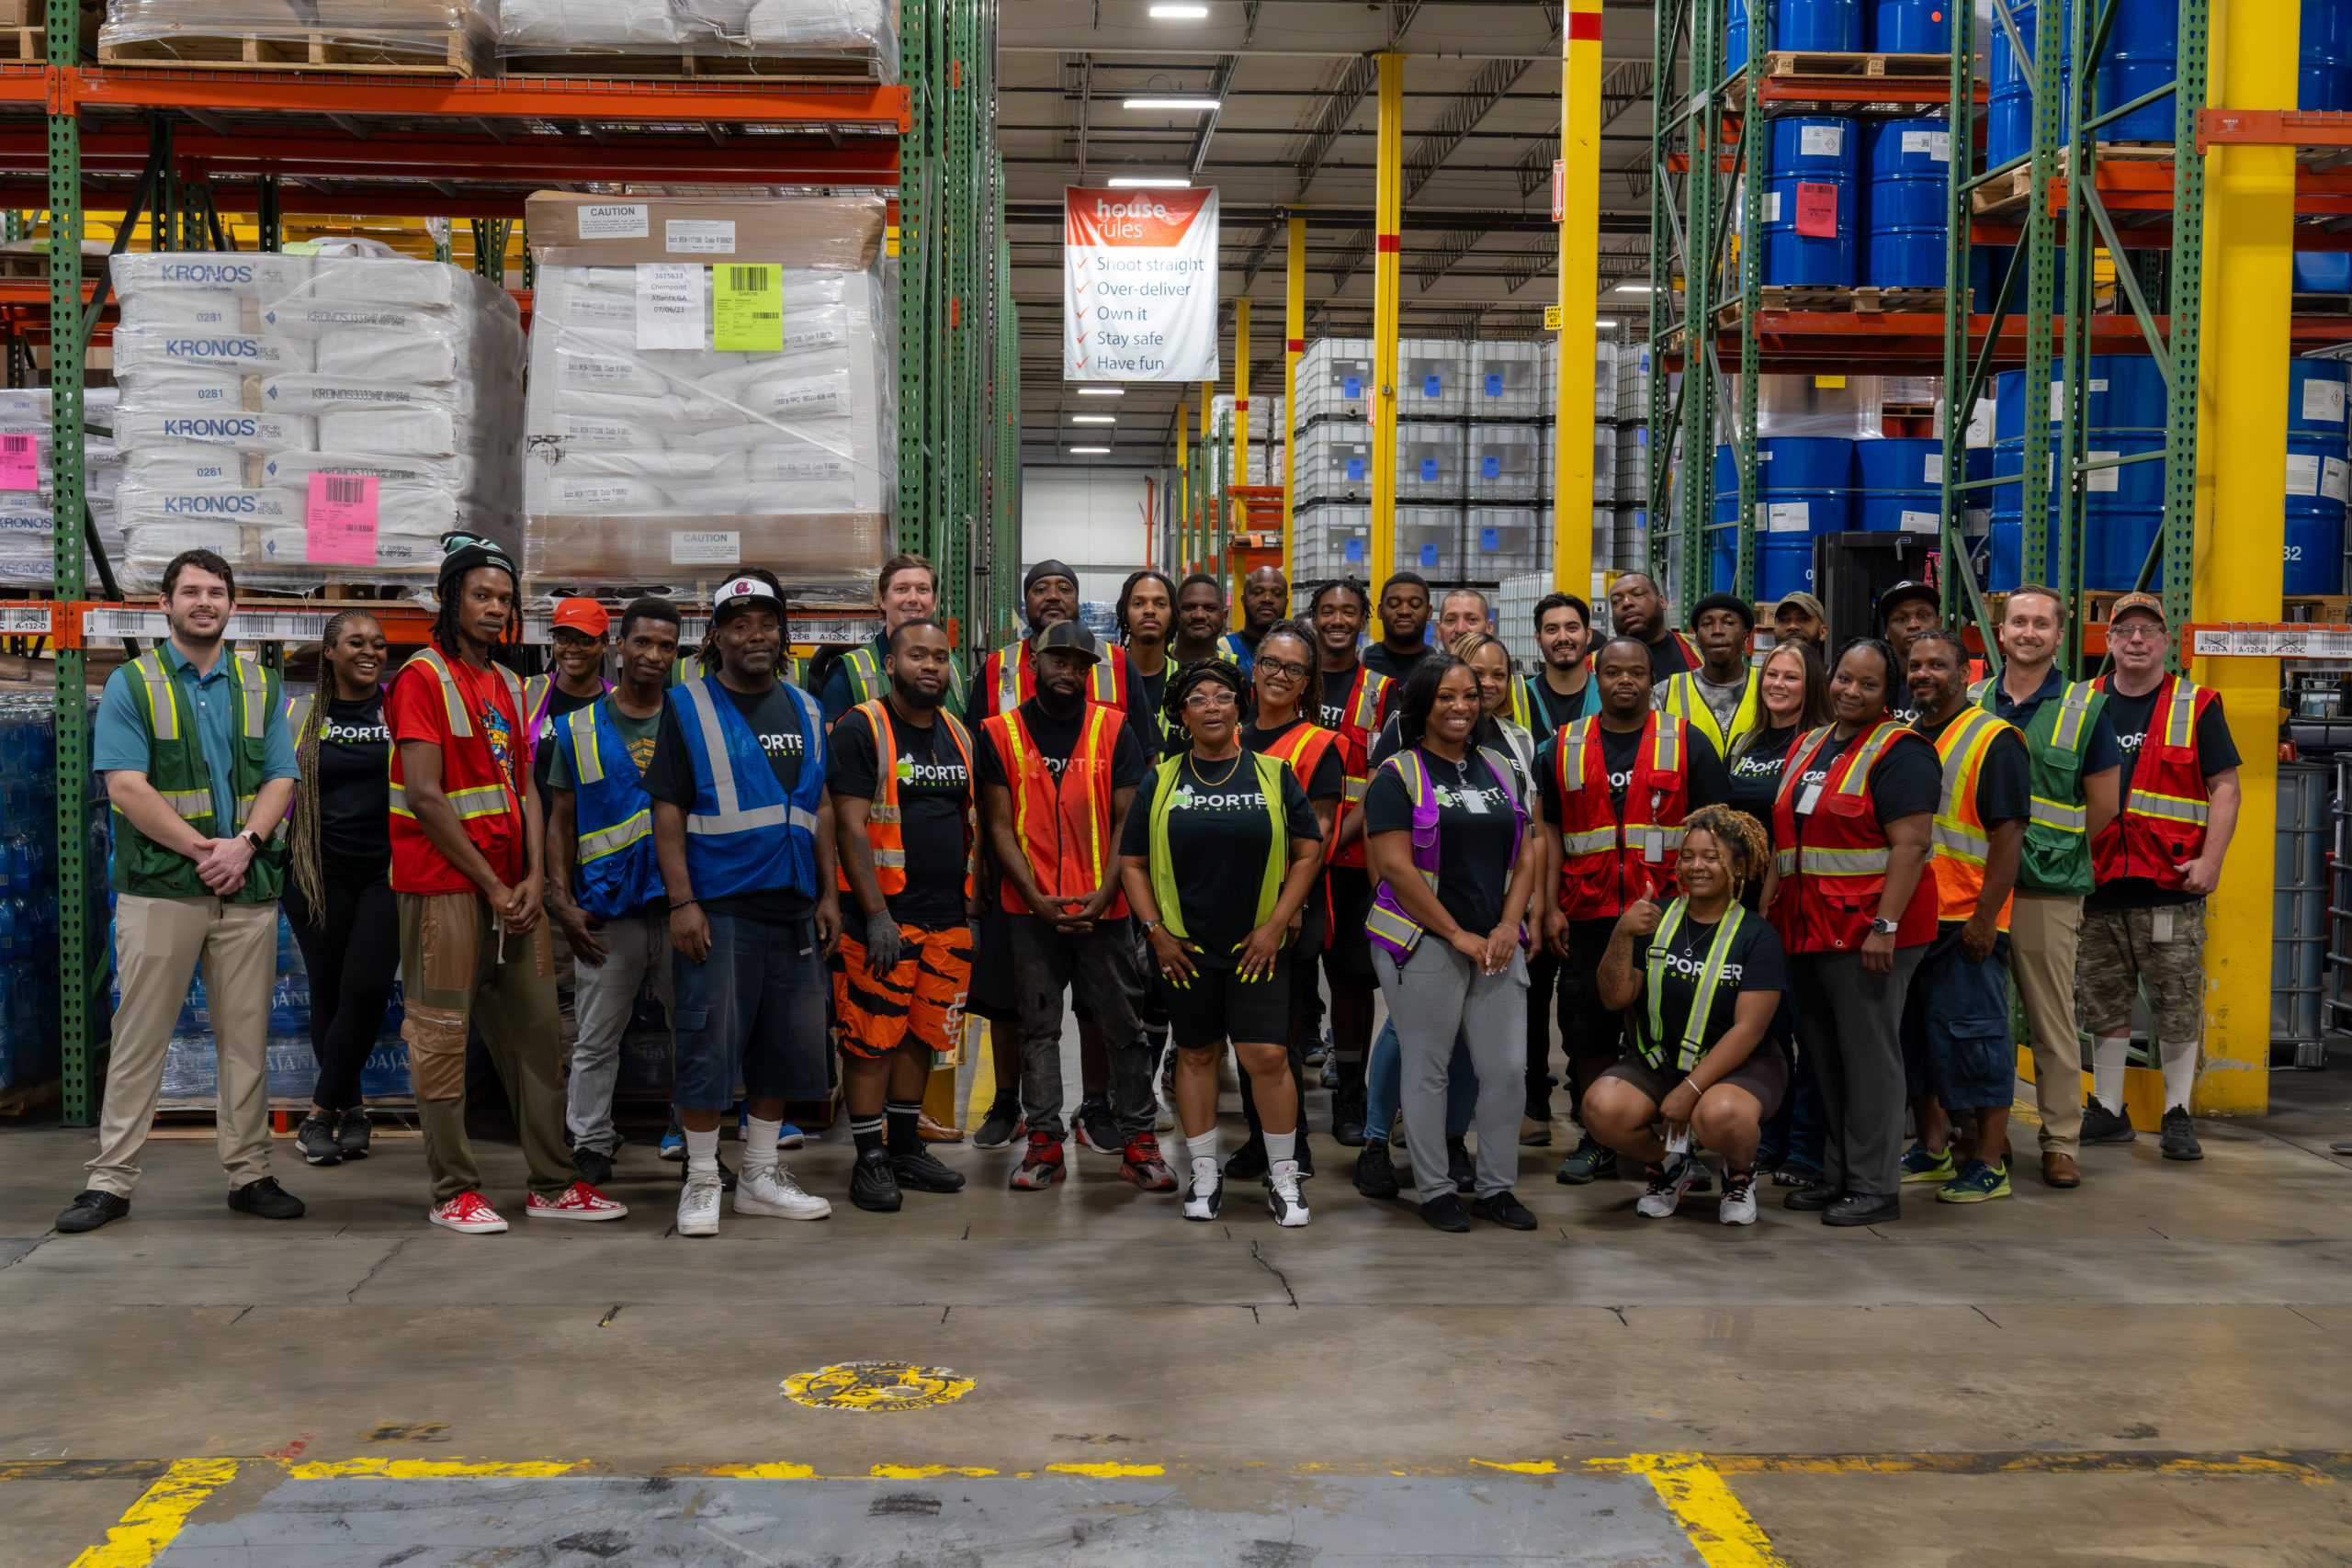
1811, 340
348, 201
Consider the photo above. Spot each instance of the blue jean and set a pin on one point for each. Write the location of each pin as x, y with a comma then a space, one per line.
1956, 1041
1793, 1135
1384, 1079
751, 1013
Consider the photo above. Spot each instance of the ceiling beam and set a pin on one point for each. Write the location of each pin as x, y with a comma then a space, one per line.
1218, 84
1483, 92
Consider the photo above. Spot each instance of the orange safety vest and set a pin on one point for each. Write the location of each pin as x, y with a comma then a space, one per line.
1831, 882
1359, 723
1008, 685
1964, 841
1607, 863
1300, 748
1066, 828
885, 826
2161, 825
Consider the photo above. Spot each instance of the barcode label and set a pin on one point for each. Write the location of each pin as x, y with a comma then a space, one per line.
748, 280
345, 490
16, 445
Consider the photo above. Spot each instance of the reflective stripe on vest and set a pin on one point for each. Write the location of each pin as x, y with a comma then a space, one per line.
2180, 735
1009, 671
732, 816
1964, 745
885, 817
1684, 700
1652, 1039
587, 768
482, 800
1267, 767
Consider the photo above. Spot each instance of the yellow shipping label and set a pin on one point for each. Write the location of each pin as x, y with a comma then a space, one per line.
747, 308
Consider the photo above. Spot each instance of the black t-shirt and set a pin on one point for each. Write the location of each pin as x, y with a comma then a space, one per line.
1329, 778
1476, 830
933, 791
1756, 962
2216, 753
1382, 660
1908, 779
1666, 658
1337, 685
1145, 693
1756, 774
1555, 711
2004, 785
1057, 739
559, 703
1218, 835
774, 718
1708, 784
354, 791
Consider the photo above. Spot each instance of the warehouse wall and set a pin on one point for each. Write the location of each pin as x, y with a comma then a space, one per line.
1092, 518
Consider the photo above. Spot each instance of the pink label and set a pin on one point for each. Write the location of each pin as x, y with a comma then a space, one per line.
1816, 209
340, 518
19, 463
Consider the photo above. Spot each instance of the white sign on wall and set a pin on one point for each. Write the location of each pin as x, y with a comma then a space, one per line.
1139, 285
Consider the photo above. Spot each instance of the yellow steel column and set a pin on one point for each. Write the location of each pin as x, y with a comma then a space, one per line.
1579, 286
1241, 475
1294, 345
2241, 484
1208, 480
1387, 223
1183, 492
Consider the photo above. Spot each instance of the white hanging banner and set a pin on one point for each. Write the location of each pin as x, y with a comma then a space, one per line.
1139, 285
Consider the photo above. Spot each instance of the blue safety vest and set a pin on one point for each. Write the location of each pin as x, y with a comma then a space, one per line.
744, 834
1237, 652
613, 869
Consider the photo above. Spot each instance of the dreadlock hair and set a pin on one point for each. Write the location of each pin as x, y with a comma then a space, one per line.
445, 636
1200, 673
1740, 836
1885, 651
309, 876
1128, 590
1311, 694
707, 656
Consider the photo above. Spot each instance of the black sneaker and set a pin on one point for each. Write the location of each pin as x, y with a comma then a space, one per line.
314, 1140
1346, 1121
1587, 1163
1445, 1212
1096, 1128
266, 1200
2179, 1135
595, 1165
351, 1134
1863, 1208
91, 1209
1504, 1208
1249, 1161
2101, 1126
1459, 1166
874, 1185
1813, 1199
922, 1171
1375, 1175
1004, 1124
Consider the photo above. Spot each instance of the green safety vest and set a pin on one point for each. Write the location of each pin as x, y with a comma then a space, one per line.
2057, 836
176, 767
1163, 862
868, 682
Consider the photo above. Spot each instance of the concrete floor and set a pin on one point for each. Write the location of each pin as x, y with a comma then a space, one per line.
2068, 1378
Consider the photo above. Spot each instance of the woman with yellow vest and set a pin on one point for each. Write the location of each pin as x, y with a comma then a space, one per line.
1217, 863
1855, 906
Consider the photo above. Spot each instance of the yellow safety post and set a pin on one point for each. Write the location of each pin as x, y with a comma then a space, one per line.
1240, 474
1579, 286
2241, 498
1294, 345
1387, 224
1183, 492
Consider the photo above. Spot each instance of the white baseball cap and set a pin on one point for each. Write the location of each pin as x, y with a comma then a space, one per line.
736, 590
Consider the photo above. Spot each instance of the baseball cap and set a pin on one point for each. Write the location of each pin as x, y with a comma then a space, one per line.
2146, 602
583, 615
743, 593
1903, 592
1070, 637
1800, 601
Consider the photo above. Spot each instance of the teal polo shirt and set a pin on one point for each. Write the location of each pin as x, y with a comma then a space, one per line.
119, 741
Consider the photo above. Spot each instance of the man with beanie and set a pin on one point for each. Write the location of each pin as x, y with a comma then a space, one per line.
1718, 699
1008, 678
469, 863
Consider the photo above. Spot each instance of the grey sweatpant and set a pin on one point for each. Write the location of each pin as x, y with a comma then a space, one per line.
1101, 966
1434, 995
1850, 1024
603, 997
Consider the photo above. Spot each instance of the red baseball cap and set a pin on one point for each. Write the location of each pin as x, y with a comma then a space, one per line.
583, 615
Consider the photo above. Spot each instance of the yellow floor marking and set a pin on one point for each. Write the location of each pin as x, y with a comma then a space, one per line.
425, 1468
1527, 1467
1693, 1491
763, 1471
153, 1522
921, 1472
1107, 1471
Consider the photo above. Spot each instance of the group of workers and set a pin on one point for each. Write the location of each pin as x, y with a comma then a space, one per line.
1774, 898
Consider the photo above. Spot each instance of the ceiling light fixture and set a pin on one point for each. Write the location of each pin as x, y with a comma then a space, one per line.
1094, 419
1180, 12
1101, 391
1148, 181
1632, 288
1171, 104
1090, 451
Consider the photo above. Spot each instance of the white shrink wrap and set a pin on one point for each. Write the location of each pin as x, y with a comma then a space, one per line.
712, 30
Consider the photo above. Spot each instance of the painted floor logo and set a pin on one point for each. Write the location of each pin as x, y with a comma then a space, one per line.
870, 1386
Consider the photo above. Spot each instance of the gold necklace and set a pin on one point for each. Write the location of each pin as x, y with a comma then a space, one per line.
1192, 763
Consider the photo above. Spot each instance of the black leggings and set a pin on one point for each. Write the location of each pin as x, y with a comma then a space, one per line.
352, 960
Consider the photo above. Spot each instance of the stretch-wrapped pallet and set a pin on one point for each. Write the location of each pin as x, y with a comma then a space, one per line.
710, 30
27, 550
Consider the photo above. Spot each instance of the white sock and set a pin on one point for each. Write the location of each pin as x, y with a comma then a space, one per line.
1281, 1146
2107, 1055
1205, 1173
701, 1152
2181, 1071
759, 1144
1203, 1147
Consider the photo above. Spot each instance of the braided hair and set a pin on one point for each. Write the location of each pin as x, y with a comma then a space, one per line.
1200, 673
1310, 692
1739, 835
1885, 651
308, 875
707, 656
1127, 592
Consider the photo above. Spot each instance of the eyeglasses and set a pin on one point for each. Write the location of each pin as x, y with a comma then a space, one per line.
2136, 631
1216, 698
1282, 667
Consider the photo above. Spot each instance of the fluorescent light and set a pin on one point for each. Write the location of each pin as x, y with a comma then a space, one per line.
1101, 391
1632, 288
1148, 181
1180, 12
1611, 325
1090, 451
1171, 104
1094, 419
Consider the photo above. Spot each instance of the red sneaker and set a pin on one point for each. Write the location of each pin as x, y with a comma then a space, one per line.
1145, 1167
579, 1201
1042, 1166
467, 1212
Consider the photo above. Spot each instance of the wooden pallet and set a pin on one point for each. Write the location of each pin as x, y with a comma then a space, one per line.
27, 1100
26, 267
691, 66
2005, 197
1803, 62
1870, 300
453, 53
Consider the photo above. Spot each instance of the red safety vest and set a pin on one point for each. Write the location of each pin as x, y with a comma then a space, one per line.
1300, 748
1830, 884
2161, 825
1002, 688
1066, 828
1606, 864
1360, 721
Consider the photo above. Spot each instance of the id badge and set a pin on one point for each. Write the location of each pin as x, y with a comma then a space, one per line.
1678, 1142
1654, 846
1473, 801
1808, 800
2160, 925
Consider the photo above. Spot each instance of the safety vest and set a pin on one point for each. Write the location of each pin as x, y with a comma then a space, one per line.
1683, 699
1163, 861
614, 870
744, 834
1012, 682
1359, 722
1387, 923
1300, 748
1830, 883
178, 771
1964, 841
1607, 863
1065, 827
689, 667
2057, 839
1649, 1022
868, 682
2161, 825
885, 826
476, 787
1237, 651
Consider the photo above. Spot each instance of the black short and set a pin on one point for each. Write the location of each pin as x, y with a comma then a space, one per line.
1588, 1029
991, 995
1346, 952
1216, 1005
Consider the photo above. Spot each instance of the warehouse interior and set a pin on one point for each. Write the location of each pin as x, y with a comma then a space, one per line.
1520, 297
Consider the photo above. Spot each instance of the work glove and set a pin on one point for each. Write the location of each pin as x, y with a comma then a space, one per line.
884, 946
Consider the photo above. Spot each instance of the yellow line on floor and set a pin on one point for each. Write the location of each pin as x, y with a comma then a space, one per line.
425, 1468
1693, 1491
153, 1522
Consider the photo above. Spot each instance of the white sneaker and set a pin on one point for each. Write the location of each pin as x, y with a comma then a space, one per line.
1207, 1192
1666, 1192
699, 1205
1738, 1206
1283, 1195
771, 1190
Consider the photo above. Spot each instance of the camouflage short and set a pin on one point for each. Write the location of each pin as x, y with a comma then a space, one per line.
2127, 951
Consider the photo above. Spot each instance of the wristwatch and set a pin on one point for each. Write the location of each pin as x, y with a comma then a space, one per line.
1885, 928
256, 840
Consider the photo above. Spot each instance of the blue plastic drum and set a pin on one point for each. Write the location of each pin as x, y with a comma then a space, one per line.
1908, 27
2141, 49
2317, 483
2315, 389
1900, 482
1910, 191
2324, 78
1818, 25
1784, 566
2324, 272
1813, 179
2008, 123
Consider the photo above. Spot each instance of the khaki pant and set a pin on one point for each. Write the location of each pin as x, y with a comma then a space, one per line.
2044, 934
157, 944
457, 968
